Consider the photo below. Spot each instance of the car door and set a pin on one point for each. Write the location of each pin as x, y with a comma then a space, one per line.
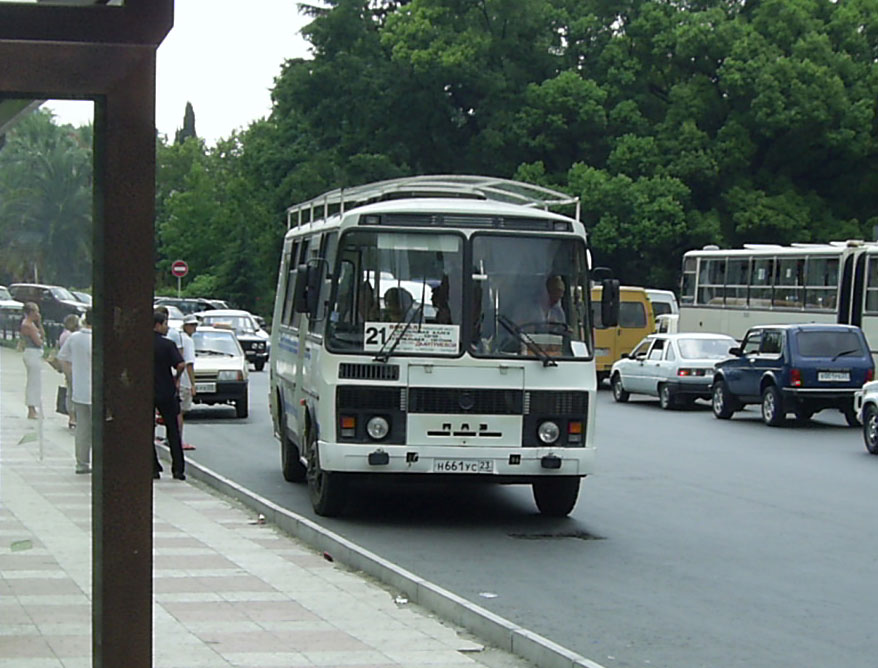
653, 366
739, 372
768, 360
632, 369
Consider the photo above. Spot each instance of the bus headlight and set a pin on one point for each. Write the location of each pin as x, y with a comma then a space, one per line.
548, 432
377, 427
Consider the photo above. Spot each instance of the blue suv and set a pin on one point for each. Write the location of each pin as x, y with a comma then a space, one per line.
797, 369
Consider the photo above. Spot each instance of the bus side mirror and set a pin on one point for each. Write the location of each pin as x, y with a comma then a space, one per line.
610, 302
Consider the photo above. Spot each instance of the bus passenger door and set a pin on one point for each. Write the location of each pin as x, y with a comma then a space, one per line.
852, 289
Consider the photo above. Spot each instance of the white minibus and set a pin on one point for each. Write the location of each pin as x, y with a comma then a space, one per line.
436, 326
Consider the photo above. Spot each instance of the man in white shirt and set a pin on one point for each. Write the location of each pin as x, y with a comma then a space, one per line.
187, 380
75, 356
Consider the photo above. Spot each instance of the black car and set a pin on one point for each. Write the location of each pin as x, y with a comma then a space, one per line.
797, 369
55, 302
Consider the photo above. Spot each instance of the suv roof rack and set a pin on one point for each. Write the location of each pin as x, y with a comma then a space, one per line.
440, 185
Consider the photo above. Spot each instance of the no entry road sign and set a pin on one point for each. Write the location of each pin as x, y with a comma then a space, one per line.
179, 268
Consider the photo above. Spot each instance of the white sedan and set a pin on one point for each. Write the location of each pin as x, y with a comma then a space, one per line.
677, 368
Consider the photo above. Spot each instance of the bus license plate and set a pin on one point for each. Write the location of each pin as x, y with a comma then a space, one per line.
463, 466
834, 376
205, 388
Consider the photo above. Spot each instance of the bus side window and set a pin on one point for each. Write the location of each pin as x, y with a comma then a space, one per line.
286, 316
327, 252
303, 258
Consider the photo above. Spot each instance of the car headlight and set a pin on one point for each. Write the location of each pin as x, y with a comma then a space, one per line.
228, 375
377, 427
548, 432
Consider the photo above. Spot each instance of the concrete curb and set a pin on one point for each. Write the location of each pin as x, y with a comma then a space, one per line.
483, 623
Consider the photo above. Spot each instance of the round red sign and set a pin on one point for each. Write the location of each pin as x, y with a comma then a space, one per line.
179, 268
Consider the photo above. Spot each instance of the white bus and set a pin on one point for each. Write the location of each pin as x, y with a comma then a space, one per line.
730, 290
435, 326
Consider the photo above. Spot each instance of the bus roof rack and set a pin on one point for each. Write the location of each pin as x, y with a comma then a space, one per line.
440, 185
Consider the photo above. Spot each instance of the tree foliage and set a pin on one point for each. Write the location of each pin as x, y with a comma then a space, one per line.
677, 123
46, 203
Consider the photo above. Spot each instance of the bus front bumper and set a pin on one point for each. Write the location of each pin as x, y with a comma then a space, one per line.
444, 460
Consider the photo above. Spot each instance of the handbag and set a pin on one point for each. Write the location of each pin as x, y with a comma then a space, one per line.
61, 400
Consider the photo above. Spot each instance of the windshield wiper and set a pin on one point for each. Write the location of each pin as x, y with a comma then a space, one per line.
212, 351
384, 355
522, 336
845, 352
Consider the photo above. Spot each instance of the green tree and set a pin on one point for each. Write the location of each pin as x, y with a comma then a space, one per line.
46, 202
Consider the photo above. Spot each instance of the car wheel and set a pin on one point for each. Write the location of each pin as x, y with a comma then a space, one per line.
556, 496
721, 402
328, 490
242, 406
620, 394
870, 428
850, 415
291, 464
772, 407
260, 365
667, 400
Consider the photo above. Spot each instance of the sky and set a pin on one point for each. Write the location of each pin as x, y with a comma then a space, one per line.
222, 56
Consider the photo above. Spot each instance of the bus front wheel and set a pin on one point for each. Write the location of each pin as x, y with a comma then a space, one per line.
291, 465
556, 496
328, 490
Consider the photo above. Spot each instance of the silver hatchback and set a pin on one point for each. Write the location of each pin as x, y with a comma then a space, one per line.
676, 368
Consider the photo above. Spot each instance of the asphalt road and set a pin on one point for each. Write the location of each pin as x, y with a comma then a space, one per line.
698, 543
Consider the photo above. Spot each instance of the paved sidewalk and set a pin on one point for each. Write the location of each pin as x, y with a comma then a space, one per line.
228, 590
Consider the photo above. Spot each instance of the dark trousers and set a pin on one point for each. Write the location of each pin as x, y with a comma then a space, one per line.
169, 411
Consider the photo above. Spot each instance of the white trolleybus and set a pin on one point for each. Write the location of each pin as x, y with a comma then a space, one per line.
730, 290
435, 326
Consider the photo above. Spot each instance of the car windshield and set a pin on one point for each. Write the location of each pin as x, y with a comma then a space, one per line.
705, 348
173, 312
4, 293
224, 342
64, 294
239, 323
829, 343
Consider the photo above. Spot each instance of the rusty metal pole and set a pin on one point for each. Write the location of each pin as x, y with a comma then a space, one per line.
124, 259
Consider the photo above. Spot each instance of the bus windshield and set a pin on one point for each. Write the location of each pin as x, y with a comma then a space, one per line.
523, 296
529, 297
394, 281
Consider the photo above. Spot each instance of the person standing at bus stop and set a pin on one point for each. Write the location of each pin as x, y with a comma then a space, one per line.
169, 365
187, 380
75, 357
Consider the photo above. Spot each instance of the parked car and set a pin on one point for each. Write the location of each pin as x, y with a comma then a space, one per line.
10, 310
676, 368
797, 369
221, 375
254, 340
84, 297
55, 302
187, 305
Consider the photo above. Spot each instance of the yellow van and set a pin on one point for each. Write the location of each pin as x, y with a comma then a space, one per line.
636, 320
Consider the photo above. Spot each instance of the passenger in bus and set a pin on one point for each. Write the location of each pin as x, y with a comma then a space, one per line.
398, 303
440, 301
366, 306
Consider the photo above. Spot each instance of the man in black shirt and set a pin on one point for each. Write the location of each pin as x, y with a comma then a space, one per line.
167, 357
